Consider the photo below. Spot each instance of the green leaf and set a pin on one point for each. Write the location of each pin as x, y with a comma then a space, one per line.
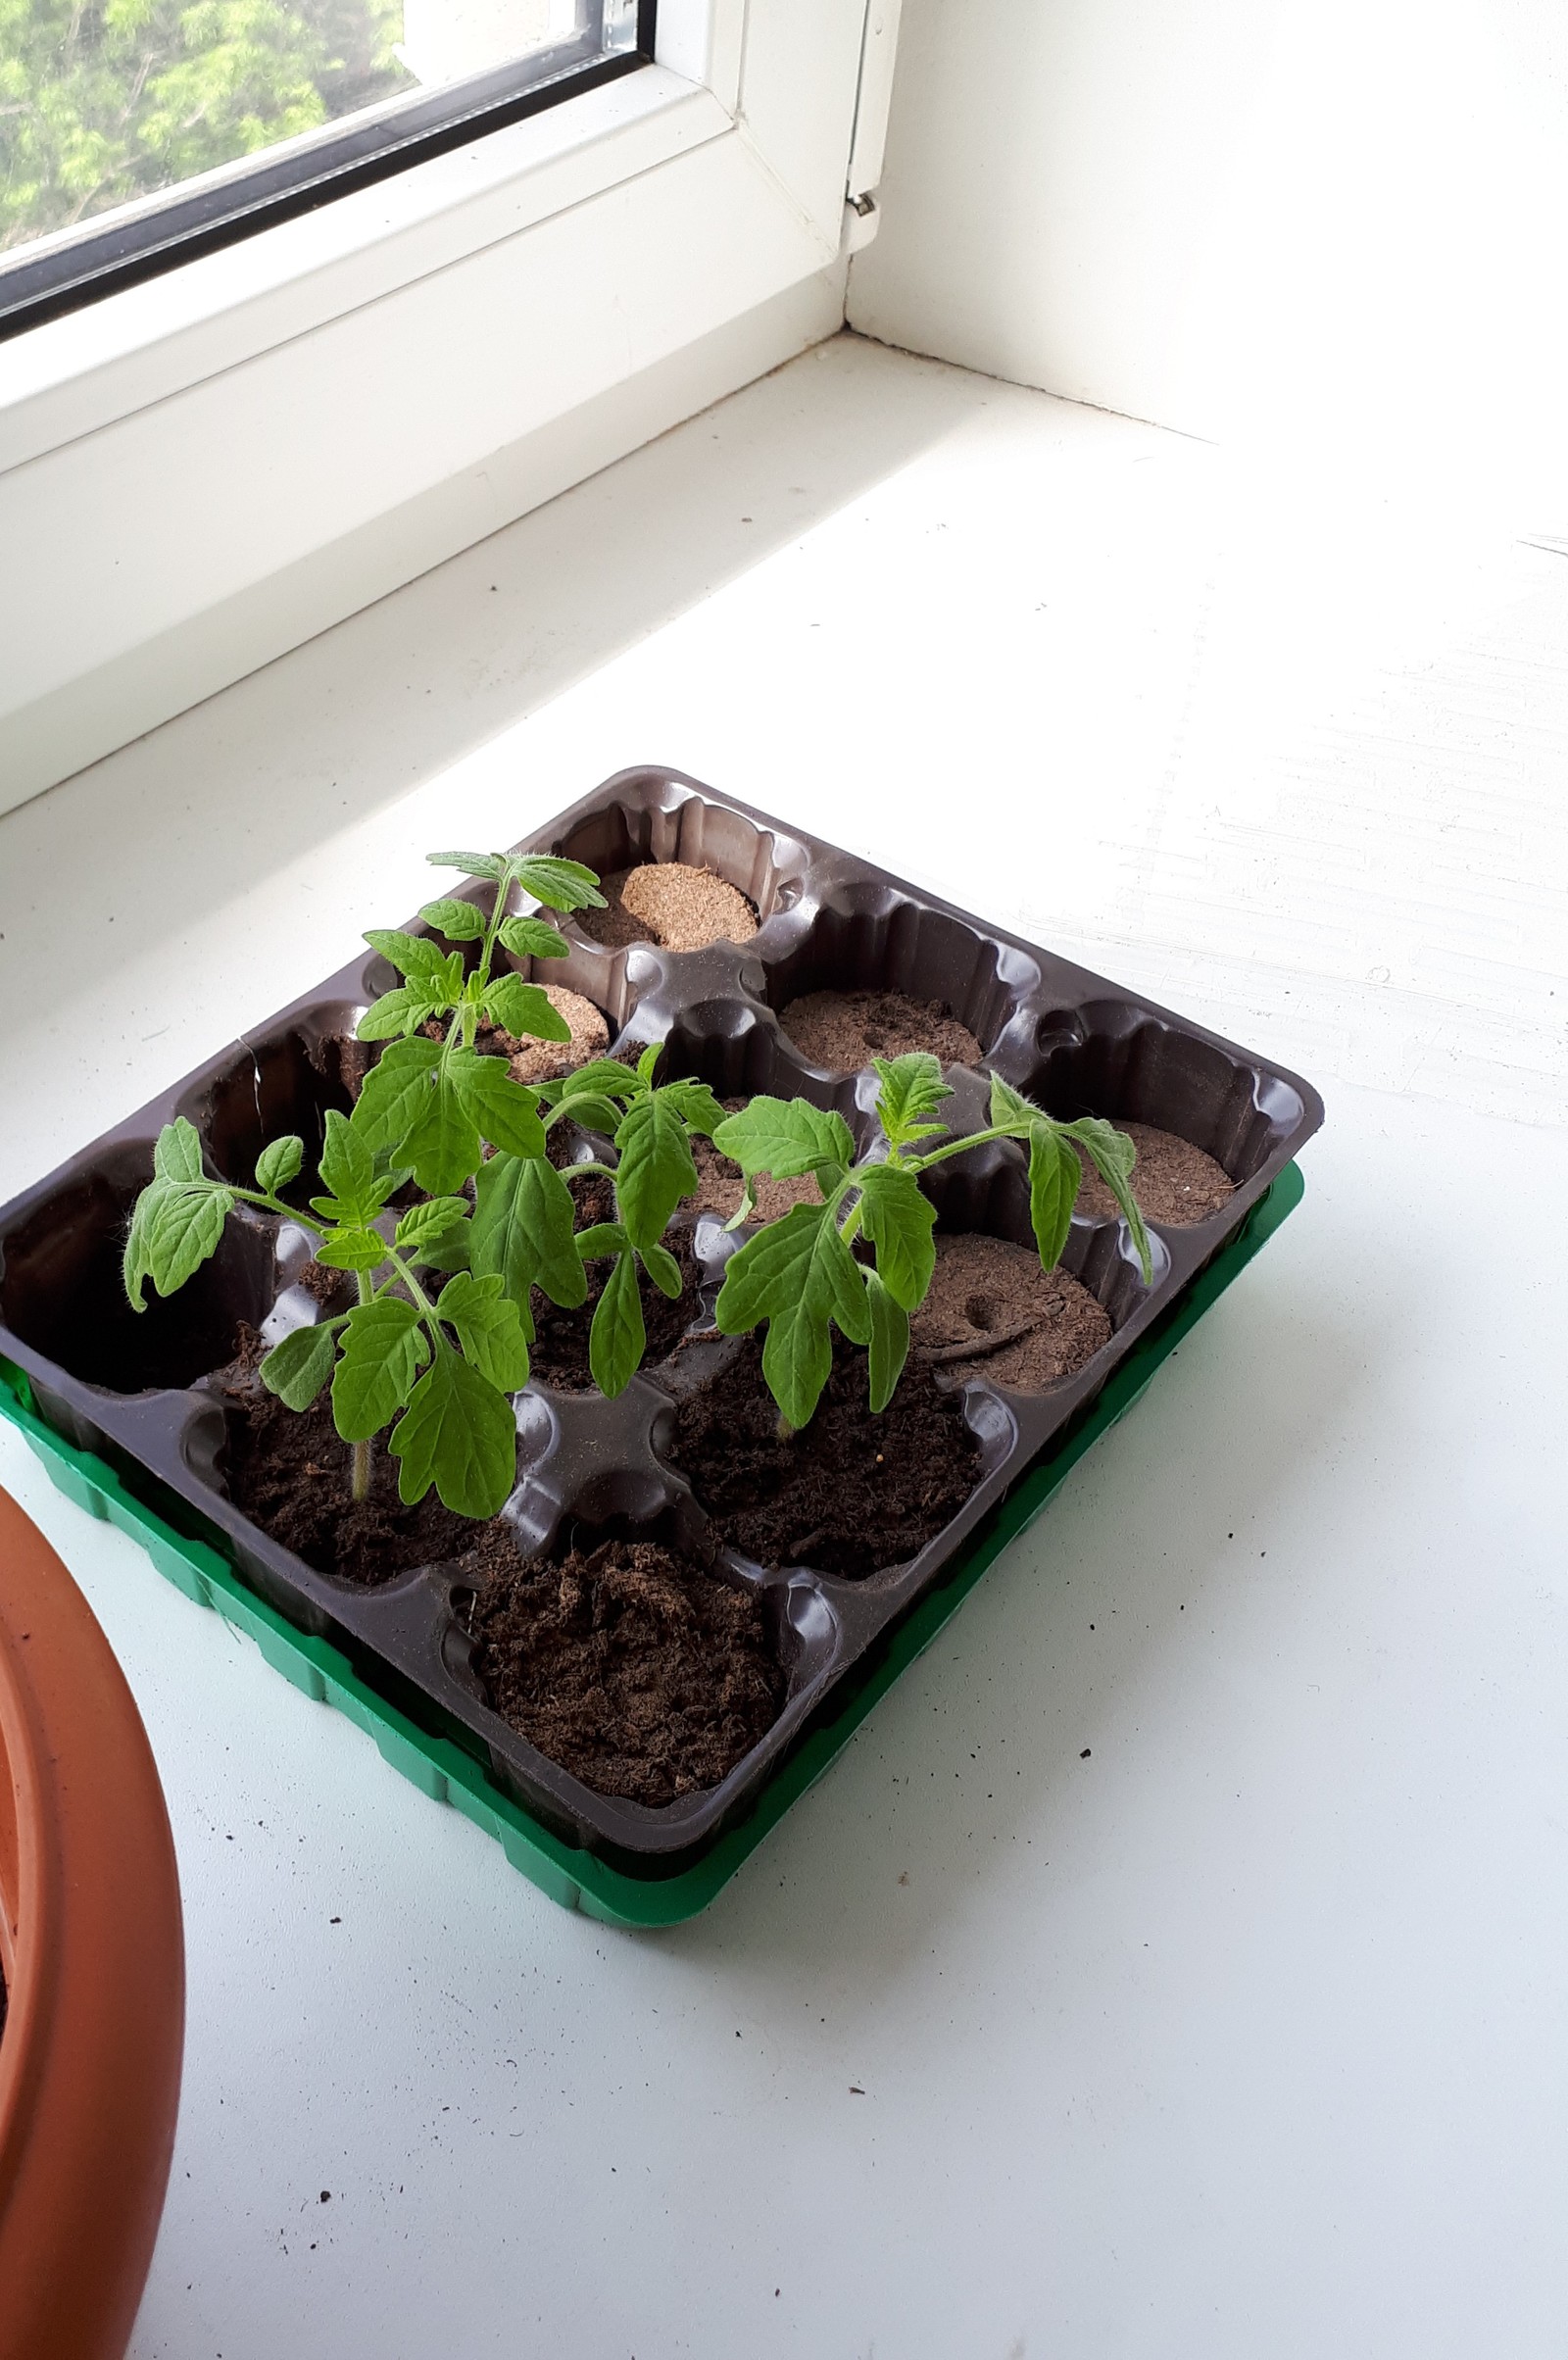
663, 1269
417, 959
1113, 1155
384, 1348
647, 1063
174, 1228
521, 1230
402, 1010
488, 1328
297, 1368
655, 1168
425, 1225
890, 1341
472, 865
348, 1169
505, 1113
787, 1136
1010, 1111
604, 1237
1053, 1177
601, 1115
800, 1276
351, 1249
911, 1088
532, 938
459, 921
699, 1108
279, 1163
394, 1095
558, 884
898, 1219
443, 1143
459, 1433
601, 1077
618, 1337
522, 1009
177, 1155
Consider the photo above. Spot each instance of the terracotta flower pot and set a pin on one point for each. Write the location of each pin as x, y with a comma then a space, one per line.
93, 1958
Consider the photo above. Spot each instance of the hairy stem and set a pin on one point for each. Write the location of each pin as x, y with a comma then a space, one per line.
360, 1479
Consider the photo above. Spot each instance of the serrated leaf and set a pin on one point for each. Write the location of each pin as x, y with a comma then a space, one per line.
416, 958
177, 1153
647, 1063
800, 1276
524, 1008
655, 1168
472, 865
787, 1137
663, 1269
488, 1328
459, 921
617, 1337
299, 1366
279, 1163
393, 1095
442, 1143
898, 1219
699, 1108
459, 1433
384, 1348
398, 1011
532, 938
1053, 1177
504, 1112
521, 1230
425, 1225
348, 1168
558, 884
890, 1341
175, 1226
1113, 1155
912, 1088
354, 1248
1010, 1111
601, 1115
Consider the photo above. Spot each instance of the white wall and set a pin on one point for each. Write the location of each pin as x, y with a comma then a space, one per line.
1236, 216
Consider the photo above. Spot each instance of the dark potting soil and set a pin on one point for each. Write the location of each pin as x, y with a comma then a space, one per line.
843, 1031
289, 1470
641, 1675
849, 1494
1173, 1181
993, 1312
670, 903
558, 1353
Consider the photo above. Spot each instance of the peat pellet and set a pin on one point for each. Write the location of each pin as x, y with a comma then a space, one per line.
641, 1675
535, 1061
993, 1312
843, 1031
670, 903
1175, 1183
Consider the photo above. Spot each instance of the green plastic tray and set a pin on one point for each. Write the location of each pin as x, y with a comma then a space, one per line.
447, 1774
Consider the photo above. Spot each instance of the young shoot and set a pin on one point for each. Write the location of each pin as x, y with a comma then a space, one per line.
442, 1369
652, 1126
428, 1106
798, 1274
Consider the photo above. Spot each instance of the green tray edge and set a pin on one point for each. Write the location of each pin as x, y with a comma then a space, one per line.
444, 1772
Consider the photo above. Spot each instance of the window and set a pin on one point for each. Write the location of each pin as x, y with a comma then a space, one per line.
135, 134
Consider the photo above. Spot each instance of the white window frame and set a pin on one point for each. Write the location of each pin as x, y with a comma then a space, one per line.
202, 471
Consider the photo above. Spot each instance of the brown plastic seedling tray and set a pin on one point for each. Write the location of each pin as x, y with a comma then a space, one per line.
139, 1393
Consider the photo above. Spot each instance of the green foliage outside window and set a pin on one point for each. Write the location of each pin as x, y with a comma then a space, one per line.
103, 101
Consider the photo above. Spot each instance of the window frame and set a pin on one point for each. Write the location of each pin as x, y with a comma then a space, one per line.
390, 367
